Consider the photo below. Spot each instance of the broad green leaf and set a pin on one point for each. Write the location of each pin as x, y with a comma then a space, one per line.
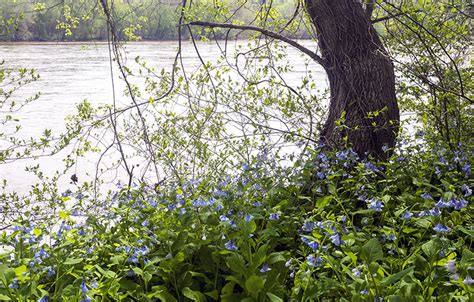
236, 263
389, 280
372, 251
254, 285
274, 298
431, 248
193, 295
72, 261
322, 202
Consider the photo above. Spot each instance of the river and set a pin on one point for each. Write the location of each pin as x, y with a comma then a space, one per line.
72, 72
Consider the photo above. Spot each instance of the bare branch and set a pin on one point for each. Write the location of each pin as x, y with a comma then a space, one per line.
391, 16
267, 33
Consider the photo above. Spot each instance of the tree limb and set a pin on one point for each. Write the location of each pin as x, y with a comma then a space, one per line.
381, 19
267, 33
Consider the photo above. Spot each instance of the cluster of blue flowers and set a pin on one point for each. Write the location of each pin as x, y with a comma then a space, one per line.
134, 253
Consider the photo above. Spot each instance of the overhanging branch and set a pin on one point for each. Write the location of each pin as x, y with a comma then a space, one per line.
381, 19
267, 33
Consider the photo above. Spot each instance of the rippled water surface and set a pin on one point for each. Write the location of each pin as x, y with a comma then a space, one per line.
72, 72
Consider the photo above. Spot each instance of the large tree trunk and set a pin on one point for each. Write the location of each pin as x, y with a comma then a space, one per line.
361, 78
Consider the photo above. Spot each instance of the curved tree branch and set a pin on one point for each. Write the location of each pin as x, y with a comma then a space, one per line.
267, 33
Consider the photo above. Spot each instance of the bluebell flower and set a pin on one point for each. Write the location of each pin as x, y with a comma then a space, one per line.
357, 273
466, 190
440, 228
426, 195
378, 299
265, 268
468, 280
248, 217
342, 155
86, 299
66, 193
364, 292
199, 203
133, 259
435, 212
424, 213
313, 261
257, 204
83, 287
41, 254
391, 237
314, 245
220, 193
275, 216
376, 205
458, 204
320, 225
467, 169
308, 226
210, 201
322, 157
245, 167
321, 175
79, 196
219, 207
437, 171
442, 204
371, 167
44, 299
223, 218
305, 240
343, 218
451, 266
14, 284
230, 245
336, 239
407, 215
94, 284
142, 250
50, 271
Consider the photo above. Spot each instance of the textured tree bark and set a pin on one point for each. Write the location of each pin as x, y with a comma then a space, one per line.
361, 78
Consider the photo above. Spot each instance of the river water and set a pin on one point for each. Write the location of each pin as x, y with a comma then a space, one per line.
72, 72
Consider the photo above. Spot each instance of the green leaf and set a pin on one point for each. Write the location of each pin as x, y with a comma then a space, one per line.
274, 298
20, 270
72, 261
254, 285
236, 263
431, 248
193, 295
372, 251
389, 280
162, 293
5, 298
63, 215
322, 202
128, 285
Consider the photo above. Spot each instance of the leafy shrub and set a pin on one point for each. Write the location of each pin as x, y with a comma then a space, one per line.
362, 231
